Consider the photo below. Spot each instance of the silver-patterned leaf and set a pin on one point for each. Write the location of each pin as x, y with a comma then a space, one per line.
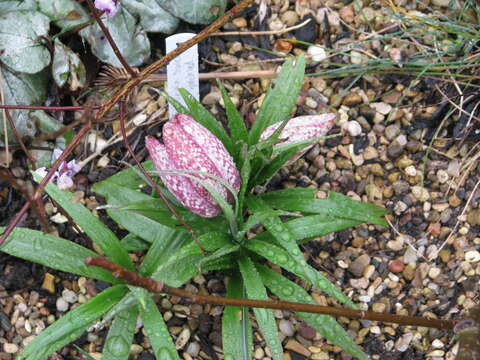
21, 47
64, 13
153, 17
67, 68
129, 36
195, 11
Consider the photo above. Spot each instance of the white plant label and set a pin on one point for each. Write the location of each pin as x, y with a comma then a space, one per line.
182, 72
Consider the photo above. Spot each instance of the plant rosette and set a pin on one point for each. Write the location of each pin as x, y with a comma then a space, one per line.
209, 175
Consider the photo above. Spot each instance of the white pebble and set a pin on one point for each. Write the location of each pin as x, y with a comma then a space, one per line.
354, 128
317, 53
62, 305
69, 296
10, 348
410, 170
472, 256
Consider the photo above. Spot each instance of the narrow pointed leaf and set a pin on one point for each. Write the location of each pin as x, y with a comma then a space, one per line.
157, 332
286, 239
72, 324
237, 335
96, 230
326, 325
120, 335
265, 318
236, 124
280, 100
129, 178
53, 252
336, 205
280, 257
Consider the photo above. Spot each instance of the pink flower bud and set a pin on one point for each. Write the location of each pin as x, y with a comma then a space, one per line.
109, 6
302, 128
190, 146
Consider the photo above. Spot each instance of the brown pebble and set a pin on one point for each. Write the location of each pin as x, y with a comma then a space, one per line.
454, 201
306, 331
396, 266
49, 283
295, 346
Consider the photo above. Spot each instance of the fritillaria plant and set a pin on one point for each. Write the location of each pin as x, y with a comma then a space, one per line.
209, 174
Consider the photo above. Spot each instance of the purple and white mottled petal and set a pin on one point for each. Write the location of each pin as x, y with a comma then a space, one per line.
302, 128
189, 145
183, 188
42, 171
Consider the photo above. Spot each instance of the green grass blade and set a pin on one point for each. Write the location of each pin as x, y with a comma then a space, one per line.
265, 318
72, 324
326, 325
205, 118
236, 328
157, 332
120, 335
181, 109
280, 100
97, 231
53, 252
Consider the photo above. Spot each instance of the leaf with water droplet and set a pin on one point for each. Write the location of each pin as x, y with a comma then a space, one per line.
157, 331
324, 324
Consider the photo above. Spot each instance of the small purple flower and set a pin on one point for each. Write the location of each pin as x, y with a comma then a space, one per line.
190, 146
64, 174
302, 128
109, 6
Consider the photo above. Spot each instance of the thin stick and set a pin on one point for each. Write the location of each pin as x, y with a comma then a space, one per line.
110, 40
266, 32
48, 108
153, 286
19, 139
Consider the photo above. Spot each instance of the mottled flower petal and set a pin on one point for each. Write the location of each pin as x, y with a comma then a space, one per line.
196, 148
180, 186
64, 182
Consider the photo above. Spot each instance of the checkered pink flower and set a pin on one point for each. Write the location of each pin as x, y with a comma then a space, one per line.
302, 128
109, 6
190, 146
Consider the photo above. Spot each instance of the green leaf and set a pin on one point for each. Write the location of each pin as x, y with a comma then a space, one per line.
22, 89
72, 324
20, 35
299, 267
128, 207
326, 325
201, 115
133, 243
16, 5
275, 164
161, 250
153, 17
181, 109
97, 231
157, 332
336, 205
67, 68
265, 318
195, 11
236, 327
286, 239
64, 13
280, 100
130, 37
129, 178
120, 336
236, 124
54, 252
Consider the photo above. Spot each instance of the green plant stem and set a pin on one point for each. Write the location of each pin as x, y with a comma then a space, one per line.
153, 286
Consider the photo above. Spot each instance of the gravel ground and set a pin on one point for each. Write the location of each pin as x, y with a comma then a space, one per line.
426, 263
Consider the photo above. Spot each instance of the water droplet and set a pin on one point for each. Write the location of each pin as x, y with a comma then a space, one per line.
270, 253
117, 346
281, 258
287, 291
164, 354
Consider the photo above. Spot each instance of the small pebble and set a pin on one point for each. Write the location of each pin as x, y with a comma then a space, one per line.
472, 256
10, 348
286, 327
61, 304
396, 266
354, 128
